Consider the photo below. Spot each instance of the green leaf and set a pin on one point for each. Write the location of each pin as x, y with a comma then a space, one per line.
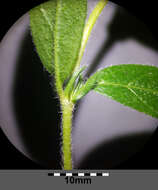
70, 21
135, 86
57, 30
42, 21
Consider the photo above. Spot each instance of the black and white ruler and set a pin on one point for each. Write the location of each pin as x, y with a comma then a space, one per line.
78, 174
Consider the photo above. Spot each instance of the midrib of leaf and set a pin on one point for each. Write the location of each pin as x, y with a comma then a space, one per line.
68, 31
129, 87
56, 65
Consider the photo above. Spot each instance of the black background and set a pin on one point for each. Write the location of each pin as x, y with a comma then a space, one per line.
10, 158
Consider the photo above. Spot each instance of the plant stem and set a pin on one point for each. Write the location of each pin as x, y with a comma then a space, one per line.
67, 110
89, 26
67, 104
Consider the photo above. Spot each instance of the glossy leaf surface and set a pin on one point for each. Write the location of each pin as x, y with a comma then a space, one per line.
132, 85
135, 86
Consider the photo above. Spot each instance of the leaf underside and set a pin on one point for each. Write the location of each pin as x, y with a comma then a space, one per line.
42, 21
132, 85
57, 29
70, 21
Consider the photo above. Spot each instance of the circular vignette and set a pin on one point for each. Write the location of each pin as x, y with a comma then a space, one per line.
26, 93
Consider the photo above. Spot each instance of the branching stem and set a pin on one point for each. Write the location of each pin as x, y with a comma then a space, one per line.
67, 105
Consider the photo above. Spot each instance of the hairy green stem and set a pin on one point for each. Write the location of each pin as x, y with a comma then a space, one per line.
67, 110
66, 107
67, 104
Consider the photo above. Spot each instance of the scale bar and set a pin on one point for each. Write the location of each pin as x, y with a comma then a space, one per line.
79, 174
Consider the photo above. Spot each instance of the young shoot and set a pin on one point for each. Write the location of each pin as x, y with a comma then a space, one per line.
60, 34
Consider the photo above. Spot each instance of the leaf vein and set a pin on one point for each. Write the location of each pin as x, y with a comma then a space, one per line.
129, 86
44, 13
141, 99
